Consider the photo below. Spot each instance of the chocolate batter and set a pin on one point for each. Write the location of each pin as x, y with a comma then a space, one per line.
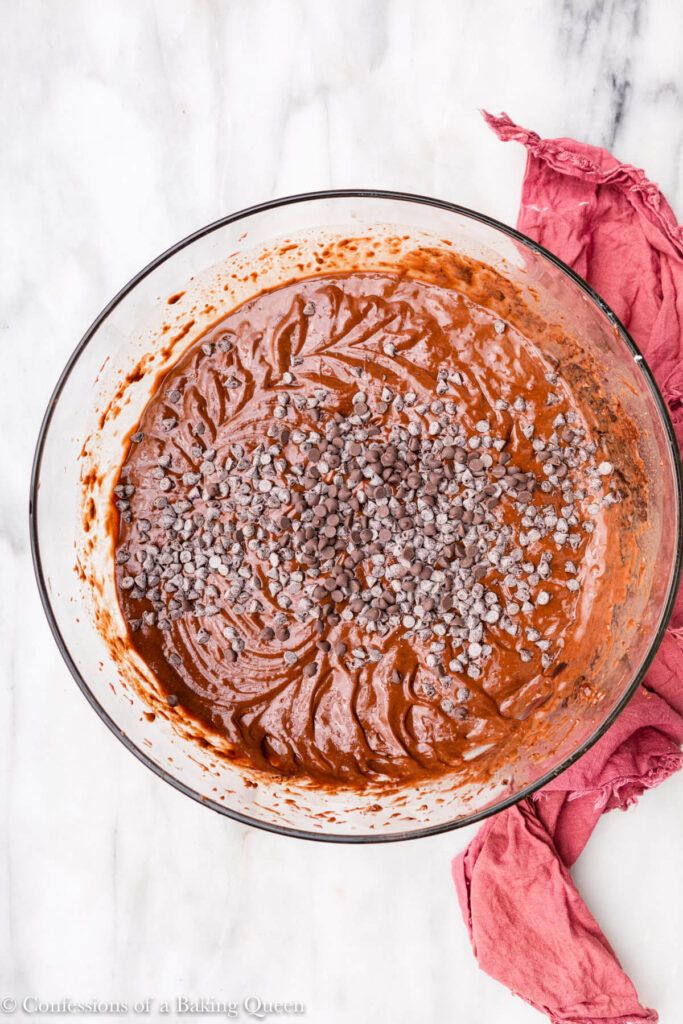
364, 525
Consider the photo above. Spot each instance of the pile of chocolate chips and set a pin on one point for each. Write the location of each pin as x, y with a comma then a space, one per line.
387, 514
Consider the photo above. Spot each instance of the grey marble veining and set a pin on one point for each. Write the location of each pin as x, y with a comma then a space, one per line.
126, 124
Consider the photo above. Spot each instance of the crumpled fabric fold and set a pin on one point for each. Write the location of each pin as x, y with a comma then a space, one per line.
528, 924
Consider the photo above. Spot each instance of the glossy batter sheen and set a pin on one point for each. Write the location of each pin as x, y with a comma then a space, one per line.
396, 717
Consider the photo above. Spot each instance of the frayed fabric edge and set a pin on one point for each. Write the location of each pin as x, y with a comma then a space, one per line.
563, 159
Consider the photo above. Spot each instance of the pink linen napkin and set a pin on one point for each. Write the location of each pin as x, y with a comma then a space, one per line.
528, 925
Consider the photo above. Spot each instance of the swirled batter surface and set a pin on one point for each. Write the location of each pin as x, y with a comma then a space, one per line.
363, 528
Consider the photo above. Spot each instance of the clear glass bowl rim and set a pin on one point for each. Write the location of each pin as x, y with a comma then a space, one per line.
360, 193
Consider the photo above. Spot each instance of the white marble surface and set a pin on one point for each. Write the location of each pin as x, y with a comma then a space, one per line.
125, 125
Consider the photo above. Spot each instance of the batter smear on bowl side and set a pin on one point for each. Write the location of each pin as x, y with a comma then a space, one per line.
366, 530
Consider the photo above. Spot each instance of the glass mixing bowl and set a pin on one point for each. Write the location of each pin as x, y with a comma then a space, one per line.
107, 383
